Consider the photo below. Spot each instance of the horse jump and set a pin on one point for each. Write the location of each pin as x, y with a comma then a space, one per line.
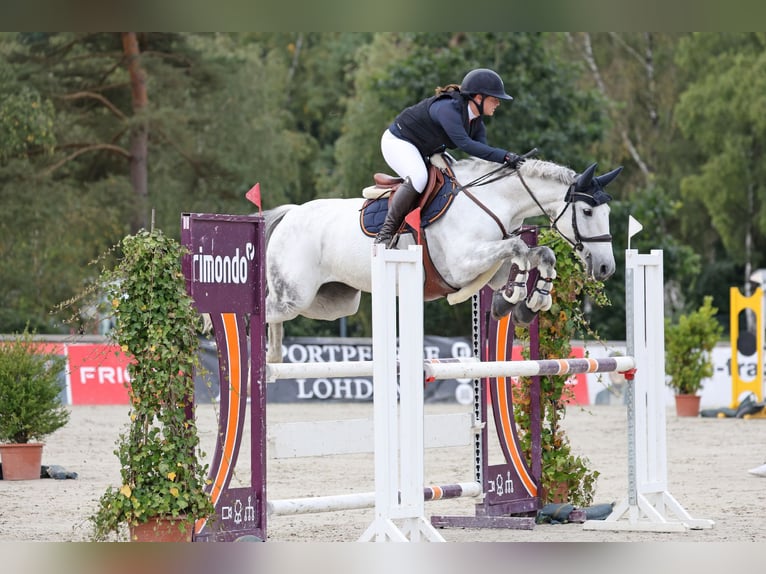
242, 512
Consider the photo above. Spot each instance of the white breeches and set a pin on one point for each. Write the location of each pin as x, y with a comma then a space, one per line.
405, 159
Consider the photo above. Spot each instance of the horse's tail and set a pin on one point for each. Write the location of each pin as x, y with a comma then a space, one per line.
274, 216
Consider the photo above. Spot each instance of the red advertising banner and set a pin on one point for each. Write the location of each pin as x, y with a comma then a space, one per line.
578, 383
98, 374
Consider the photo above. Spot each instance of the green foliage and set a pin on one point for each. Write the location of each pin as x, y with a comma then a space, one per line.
302, 113
30, 408
236, 127
688, 347
720, 115
557, 327
156, 324
26, 124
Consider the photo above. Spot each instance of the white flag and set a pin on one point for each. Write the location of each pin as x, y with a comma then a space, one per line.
633, 226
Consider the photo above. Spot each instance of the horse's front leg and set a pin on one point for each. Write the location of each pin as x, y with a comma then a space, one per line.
514, 297
509, 281
544, 259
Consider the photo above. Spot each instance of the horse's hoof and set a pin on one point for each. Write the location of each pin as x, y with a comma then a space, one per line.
500, 307
522, 315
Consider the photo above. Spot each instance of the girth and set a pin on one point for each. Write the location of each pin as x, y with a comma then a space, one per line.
434, 287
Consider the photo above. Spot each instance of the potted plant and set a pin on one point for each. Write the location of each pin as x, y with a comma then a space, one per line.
688, 360
30, 405
163, 480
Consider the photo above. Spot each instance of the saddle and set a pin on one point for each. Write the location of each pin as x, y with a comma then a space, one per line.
434, 202
385, 184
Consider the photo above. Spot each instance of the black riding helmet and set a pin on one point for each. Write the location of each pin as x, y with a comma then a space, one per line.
484, 81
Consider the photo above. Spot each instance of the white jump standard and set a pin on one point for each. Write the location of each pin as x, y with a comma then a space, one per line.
649, 506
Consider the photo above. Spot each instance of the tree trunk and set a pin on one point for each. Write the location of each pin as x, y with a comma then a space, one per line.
139, 135
590, 60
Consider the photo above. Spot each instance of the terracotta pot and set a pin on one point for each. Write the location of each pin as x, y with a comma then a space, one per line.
21, 461
161, 529
688, 405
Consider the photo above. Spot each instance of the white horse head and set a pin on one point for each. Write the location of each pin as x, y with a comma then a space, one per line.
584, 221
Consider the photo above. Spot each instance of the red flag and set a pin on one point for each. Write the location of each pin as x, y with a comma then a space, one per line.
413, 220
254, 195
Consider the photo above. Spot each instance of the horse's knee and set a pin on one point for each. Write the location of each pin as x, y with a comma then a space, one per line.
544, 259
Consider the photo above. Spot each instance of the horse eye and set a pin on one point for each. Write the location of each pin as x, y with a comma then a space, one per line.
587, 212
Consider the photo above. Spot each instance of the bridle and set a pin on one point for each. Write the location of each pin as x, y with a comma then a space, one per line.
594, 199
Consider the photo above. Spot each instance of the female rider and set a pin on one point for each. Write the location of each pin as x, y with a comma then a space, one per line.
448, 120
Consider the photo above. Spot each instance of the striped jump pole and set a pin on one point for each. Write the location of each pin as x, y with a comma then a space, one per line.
457, 368
317, 504
466, 368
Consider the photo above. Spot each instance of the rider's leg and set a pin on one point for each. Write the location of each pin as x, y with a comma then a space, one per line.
398, 208
405, 159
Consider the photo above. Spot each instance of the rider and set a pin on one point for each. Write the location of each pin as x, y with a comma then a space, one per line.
450, 119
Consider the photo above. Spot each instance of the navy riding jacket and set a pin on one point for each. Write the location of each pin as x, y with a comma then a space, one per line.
441, 122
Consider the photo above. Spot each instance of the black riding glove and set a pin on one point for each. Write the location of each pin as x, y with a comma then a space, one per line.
512, 160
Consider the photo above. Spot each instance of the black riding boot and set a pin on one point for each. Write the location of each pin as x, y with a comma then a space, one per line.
399, 206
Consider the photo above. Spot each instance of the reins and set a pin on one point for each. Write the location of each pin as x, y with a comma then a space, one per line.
487, 178
484, 180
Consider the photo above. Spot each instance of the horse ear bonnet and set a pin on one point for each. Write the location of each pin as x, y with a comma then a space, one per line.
591, 189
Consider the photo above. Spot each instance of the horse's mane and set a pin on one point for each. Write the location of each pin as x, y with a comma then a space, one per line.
532, 168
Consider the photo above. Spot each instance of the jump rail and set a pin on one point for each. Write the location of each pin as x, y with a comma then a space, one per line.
459, 368
316, 504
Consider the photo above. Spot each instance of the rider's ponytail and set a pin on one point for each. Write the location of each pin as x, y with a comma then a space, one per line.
446, 89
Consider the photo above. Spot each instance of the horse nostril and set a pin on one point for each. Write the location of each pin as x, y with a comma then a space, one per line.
606, 271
